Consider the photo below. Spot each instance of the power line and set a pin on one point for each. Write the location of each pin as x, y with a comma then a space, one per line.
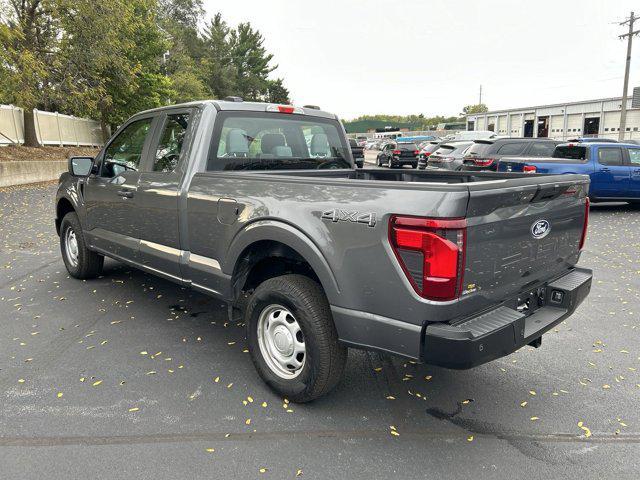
629, 36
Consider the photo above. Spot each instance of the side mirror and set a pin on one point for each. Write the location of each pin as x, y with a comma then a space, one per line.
80, 166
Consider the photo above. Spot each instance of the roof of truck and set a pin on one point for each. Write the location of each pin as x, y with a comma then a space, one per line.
229, 105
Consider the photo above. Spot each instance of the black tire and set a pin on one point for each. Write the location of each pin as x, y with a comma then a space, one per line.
88, 264
389, 163
325, 356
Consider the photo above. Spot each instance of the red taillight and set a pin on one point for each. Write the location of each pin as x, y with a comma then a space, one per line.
416, 152
483, 162
586, 222
285, 109
431, 253
529, 169
396, 152
427, 154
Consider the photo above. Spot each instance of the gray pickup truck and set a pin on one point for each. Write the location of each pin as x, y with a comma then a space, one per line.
260, 205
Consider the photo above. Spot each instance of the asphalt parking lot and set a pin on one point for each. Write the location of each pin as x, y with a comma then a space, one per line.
129, 376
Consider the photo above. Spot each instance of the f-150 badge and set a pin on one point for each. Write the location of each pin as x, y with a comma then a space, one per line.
337, 215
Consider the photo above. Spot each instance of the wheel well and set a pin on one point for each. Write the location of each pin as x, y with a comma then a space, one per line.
267, 259
64, 206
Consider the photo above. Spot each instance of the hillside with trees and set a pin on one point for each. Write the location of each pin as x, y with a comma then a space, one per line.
108, 59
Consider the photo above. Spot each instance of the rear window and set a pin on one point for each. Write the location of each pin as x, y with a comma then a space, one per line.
407, 146
430, 148
274, 141
444, 150
479, 149
573, 152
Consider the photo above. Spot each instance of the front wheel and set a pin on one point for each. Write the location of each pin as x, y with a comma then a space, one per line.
292, 338
81, 262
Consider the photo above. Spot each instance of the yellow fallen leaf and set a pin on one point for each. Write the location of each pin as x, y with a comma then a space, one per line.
532, 392
390, 397
210, 450
134, 409
217, 379
250, 399
395, 433
59, 395
377, 369
428, 377
533, 419
151, 372
587, 432
470, 438
247, 421
299, 472
606, 387
523, 404
21, 380
96, 383
262, 470
264, 404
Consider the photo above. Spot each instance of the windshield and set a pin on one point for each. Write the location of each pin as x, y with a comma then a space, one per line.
570, 151
274, 141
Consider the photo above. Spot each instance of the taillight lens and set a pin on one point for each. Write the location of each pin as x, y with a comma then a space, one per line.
416, 152
396, 152
586, 222
431, 253
483, 162
529, 169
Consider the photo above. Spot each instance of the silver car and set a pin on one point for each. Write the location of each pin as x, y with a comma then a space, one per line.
449, 156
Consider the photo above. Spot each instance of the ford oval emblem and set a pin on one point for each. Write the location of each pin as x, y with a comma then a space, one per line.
540, 228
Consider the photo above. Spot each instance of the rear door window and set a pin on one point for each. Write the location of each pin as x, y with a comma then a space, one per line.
634, 156
514, 148
609, 156
171, 141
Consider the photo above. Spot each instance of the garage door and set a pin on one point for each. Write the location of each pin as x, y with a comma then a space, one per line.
556, 126
574, 125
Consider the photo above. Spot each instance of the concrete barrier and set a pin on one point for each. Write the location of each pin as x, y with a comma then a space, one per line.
20, 173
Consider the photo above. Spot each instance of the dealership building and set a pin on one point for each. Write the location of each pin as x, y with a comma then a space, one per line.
562, 121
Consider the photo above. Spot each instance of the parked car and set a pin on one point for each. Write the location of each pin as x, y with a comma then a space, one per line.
614, 168
484, 154
425, 151
448, 155
318, 255
395, 155
472, 135
358, 152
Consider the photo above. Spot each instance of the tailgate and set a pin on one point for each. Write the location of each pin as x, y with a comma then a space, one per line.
518, 237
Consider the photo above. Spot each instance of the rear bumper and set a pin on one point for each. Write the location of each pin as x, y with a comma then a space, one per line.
504, 329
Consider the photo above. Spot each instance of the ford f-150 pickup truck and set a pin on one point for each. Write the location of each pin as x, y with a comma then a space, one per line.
614, 168
260, 205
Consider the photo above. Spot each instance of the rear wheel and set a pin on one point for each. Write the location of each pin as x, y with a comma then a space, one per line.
81, 262
389, 163
292, 339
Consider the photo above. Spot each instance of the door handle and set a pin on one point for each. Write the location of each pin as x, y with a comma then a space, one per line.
605, 169
125, 193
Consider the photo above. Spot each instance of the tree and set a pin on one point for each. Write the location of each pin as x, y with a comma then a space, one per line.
111, 54
27, 57
277, 92
478, 108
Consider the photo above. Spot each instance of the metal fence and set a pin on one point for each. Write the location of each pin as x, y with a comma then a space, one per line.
11, 125
51, 128
58, 129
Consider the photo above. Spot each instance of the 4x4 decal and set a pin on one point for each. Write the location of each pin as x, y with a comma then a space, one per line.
337, 215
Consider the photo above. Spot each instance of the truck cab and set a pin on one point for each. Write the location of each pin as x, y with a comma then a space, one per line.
614, 167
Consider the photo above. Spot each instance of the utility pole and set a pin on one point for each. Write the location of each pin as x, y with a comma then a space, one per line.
480, 99
629, 36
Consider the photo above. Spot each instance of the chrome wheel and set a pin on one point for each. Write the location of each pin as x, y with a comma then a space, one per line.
71, 247
281, 341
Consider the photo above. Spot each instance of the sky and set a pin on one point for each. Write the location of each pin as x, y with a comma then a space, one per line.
356, 57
